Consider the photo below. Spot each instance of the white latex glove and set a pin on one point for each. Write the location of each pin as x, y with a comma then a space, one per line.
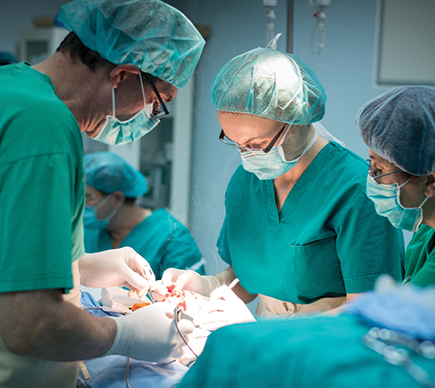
116, 267
187, 280
224, 309
149, 334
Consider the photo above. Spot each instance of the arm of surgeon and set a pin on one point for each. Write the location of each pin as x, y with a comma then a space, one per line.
41, 324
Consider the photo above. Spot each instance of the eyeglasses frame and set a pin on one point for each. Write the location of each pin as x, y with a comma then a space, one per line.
265, 150
163, 110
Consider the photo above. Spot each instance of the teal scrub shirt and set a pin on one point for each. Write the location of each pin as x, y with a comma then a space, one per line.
42, 197
315, 352
42, 191
327, 240
162, 240
420, 258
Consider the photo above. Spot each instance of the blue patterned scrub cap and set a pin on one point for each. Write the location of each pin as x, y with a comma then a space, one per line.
149, 34
270, 84
399, 125
108, 173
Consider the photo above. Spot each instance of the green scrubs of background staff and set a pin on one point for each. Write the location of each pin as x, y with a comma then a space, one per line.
164, 241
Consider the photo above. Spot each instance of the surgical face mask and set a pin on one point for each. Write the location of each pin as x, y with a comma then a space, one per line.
117, 132
273, 164
387, 204
90, 218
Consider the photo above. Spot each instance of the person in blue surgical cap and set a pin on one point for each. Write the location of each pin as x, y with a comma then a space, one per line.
114, 219
299, 230
110, 78
399, 128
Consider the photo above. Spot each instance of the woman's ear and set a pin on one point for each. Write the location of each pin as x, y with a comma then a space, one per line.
429, 190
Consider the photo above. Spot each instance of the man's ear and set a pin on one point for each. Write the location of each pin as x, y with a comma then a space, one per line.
119, 198
429, 190
119, 73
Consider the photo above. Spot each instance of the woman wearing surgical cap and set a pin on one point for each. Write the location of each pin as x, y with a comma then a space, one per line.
399, 128
114, 219
299, 231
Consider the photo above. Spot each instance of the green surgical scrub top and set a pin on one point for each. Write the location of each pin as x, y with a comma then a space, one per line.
325, 352
42, 197
42, 190
162, 240
327, 240
420, 258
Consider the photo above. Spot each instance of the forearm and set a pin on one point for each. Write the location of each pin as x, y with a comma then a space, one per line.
42, 325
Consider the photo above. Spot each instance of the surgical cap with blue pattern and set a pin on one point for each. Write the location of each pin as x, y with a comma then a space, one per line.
399, 126
270, 84
149, 34
108, 173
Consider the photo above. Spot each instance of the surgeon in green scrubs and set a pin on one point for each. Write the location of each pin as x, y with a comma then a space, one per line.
299, 230
399, 128
114, 219
106, 82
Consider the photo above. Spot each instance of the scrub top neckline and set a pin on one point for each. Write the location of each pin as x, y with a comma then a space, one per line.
301, 187
106, 235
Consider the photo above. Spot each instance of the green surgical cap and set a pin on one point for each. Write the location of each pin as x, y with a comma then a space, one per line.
149, 34
399, 125
108, 173
268, 83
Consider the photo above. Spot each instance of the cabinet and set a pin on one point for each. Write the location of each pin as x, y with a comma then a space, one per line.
38, 44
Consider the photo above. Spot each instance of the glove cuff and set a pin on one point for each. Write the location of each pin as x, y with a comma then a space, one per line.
118, 346
213, 283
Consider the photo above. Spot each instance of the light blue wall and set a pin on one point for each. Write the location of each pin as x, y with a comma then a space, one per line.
344, 67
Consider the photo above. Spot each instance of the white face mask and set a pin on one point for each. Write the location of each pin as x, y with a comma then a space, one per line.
273, 164
117, 132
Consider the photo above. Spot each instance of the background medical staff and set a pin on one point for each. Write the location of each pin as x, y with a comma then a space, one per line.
99, 81
114, 219
399, 128
299, 229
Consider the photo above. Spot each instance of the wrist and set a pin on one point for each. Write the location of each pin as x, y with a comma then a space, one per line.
213, 283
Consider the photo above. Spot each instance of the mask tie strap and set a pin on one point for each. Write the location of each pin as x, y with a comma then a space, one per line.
113, 101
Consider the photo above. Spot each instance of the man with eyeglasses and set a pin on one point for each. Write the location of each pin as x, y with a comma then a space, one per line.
299, 231
399, 128
110, 78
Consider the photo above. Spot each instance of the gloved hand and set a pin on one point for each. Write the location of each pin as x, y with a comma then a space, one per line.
224, 309
187, 280
149, 334
116, 267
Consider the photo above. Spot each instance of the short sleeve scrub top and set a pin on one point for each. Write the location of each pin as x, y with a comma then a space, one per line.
42, 197
327, 241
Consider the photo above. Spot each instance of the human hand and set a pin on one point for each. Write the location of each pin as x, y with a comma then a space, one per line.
117, 267
149, 334
224, 309
187, 280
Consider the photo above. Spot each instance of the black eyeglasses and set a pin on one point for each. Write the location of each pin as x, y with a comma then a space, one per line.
163, 110
224, 139
374, 175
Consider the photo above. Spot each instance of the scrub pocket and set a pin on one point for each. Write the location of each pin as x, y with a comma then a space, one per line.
312, 271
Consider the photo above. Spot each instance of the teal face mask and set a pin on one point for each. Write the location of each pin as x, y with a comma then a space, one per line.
387, 204
117, 132
90, 219
273, 164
